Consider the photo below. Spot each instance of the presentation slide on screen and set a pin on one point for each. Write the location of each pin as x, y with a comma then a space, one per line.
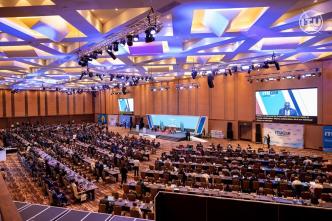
298, 105
126, 105
177, 121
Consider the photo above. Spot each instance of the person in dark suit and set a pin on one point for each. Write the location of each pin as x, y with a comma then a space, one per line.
287, 110
268, 140
188, 135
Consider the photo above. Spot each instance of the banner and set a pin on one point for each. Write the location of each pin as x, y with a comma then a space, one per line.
286, 135
102, 118
112, 120
327, 138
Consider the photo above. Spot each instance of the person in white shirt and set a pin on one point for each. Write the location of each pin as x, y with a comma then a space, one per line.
136, 167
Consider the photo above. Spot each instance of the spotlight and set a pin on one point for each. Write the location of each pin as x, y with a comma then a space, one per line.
123, 89
123, 42
93, 55
193, 73
100, 77
136, 38
109, 49
148, 36
129, 40
90, 74
82, 75
115, 46
111, 54
277, 65
111, 77
266, 65
83, 63
210, 79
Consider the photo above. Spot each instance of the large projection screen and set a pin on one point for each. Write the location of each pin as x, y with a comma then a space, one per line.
126, 105
287, 106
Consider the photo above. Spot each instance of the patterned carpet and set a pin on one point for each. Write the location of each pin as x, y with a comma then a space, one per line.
24, 188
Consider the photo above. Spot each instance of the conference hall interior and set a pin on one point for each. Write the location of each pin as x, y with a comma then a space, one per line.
166, 110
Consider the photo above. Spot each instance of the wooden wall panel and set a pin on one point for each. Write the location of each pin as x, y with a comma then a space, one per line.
137, 100
88, 103
327, 93
246, 99
2, 105
42, 103
97, 103
229, 97
51, 103
63, 108
79, 104
8, 103
172, 99
156, 97
71, 104
217, 103
33, 103
19, 104
203, 98
102, 102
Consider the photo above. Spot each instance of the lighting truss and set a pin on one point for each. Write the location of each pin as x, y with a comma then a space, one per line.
187, 86
134, 29
161, 88
288, 75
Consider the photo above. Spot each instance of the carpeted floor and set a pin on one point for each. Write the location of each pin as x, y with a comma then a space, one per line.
24, 188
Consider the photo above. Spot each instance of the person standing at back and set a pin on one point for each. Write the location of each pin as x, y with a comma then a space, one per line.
123, 172
136, 167
268, 141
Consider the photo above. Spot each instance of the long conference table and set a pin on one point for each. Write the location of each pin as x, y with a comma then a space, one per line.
225, 194
37, 212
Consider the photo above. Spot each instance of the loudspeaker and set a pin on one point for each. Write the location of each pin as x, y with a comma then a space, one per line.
210, 79
230, 130
258, 133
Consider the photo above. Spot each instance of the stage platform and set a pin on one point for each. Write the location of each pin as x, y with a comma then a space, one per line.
179, 136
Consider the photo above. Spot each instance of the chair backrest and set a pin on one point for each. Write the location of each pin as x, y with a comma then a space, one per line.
102, 208
305, 195
135, 213
125, 188
117, 210
131, 197
150, 215
138, 189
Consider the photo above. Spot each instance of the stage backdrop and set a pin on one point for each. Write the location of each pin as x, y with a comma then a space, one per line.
327, 138
102, 118
289, 135
112, 120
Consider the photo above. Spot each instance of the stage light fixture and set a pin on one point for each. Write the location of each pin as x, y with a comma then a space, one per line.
129, 40
124, 90
277, 65
111, 54
90, 74
148, 36
193, 73
115, 46
266, 65
230, 72
136, 38
123, 42
111, 77
82, 75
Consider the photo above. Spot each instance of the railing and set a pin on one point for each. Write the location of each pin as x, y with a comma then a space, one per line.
8, 211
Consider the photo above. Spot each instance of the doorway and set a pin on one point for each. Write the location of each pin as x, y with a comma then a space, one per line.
245, 130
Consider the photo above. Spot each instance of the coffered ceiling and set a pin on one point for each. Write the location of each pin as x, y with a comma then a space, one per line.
40, 39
